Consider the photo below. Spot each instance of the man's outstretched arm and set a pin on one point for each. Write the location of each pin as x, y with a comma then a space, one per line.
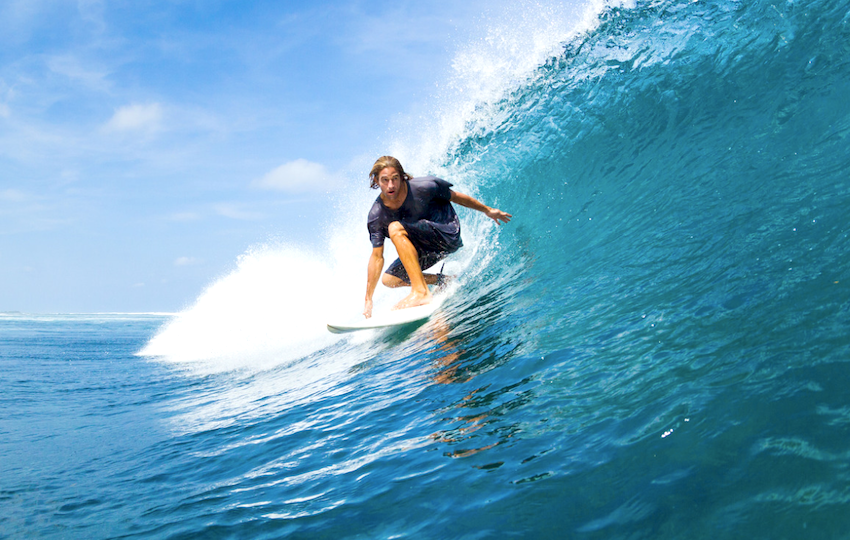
469, 202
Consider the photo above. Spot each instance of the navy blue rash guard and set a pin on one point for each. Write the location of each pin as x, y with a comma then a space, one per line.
426, 214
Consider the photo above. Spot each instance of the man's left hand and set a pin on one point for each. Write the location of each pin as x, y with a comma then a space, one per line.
498, 216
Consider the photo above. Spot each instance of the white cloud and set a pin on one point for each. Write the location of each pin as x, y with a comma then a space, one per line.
233, 211
186, 261
136, 117
75, 69
299, 176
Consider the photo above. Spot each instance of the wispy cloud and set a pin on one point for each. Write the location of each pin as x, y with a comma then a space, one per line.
72, 67
136, 117
233, 211
186, 261
299, 176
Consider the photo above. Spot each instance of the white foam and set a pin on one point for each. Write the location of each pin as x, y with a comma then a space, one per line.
269, 309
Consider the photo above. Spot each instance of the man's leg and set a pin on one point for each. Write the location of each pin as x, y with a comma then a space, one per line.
394, 282
419, 293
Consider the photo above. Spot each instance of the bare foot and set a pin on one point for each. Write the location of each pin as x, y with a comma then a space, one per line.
414, 299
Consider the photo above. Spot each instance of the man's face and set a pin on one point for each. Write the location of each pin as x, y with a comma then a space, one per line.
389, 180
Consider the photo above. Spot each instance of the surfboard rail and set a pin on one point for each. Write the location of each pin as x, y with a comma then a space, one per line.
386, 319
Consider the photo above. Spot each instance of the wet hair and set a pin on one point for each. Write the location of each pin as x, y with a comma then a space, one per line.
382, 163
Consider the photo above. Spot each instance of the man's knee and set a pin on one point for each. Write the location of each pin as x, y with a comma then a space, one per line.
392, 281
396, 230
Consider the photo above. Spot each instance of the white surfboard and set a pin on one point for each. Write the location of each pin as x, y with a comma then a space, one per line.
386, 319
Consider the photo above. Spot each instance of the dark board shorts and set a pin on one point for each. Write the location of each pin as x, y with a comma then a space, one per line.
427, 259
432, 245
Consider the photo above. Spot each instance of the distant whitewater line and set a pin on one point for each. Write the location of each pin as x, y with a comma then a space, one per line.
109, 314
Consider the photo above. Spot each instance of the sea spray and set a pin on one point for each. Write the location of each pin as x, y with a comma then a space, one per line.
267, 311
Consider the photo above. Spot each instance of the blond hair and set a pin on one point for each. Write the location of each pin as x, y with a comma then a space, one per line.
382, 163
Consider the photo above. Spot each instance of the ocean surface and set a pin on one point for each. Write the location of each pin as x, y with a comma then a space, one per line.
657, 346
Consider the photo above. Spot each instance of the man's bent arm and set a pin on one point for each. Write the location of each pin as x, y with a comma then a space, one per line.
469, 202
373, 273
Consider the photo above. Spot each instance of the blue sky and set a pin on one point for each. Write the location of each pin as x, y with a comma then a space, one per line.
144, 145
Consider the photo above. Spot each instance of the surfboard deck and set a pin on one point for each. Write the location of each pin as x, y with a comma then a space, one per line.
386, 319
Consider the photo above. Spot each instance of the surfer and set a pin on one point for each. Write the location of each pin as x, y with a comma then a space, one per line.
416, 214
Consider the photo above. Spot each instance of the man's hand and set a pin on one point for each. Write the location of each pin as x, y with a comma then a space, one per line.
469, 202
498, 216
367, 311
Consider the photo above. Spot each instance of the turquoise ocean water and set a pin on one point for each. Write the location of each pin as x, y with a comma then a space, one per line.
658, 346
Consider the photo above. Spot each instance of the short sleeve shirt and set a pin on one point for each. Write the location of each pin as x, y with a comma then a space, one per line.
426, 213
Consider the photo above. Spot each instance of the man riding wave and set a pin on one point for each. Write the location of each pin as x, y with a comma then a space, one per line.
416, 214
